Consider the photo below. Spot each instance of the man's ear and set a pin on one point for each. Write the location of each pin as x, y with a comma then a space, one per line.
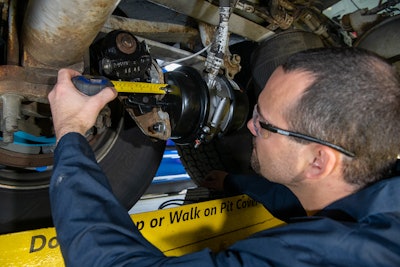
322, 163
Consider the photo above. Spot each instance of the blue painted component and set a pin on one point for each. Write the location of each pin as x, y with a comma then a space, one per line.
26, 139
170, 164
171, 168
170, 143
41, 169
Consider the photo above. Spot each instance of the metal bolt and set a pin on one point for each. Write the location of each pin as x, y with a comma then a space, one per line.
107, 65
11, 115
159, 127
126, 43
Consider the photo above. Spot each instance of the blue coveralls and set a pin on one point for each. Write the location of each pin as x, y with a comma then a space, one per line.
93, 229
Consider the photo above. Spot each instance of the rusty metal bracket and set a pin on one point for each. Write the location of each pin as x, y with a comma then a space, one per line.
30, 83
154, 124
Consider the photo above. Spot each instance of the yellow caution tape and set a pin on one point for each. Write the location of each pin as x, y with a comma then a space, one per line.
214, 224
140, 87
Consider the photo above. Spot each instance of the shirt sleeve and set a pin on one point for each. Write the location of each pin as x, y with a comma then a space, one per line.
276, 198
93, 228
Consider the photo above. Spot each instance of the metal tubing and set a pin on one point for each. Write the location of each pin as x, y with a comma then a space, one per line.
57, 32
215, 56
207, 12
219, 112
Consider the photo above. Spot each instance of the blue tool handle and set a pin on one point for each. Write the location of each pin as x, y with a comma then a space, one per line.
91, 85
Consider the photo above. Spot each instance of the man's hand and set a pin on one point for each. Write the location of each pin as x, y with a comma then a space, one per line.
215, 180
73, 111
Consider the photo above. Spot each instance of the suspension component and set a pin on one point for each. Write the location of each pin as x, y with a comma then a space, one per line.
11, 115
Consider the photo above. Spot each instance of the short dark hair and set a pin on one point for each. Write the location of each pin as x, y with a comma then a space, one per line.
354, 102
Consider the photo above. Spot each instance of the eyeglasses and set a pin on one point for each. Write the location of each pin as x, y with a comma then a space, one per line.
260, 122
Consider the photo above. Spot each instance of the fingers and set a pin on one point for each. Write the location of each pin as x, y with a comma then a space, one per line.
214, 180
216, 174
99, 100
106, 95
63, 84
73, 111
65, 75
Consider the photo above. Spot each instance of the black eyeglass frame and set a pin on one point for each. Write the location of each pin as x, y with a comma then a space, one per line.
269, 127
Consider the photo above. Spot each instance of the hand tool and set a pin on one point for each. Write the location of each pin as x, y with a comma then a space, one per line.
91, 85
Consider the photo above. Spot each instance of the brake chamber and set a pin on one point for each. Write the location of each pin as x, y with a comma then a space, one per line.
189, 113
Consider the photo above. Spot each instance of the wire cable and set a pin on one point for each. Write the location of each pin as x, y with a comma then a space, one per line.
186, 58
171, 202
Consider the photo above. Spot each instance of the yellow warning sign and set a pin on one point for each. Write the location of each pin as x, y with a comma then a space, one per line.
214, 224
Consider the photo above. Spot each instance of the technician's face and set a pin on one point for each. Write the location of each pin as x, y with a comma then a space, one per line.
275, 156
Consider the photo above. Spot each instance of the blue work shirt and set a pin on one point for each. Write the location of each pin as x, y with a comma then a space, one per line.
94, 229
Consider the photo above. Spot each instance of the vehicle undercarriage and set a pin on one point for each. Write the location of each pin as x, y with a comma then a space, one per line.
225, 50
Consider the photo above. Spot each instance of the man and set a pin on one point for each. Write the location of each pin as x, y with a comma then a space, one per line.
326, 136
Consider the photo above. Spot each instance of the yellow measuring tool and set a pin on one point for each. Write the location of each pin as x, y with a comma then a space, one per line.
91, 85
140, 87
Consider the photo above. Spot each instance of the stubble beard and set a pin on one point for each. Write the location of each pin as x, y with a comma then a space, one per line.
255, 163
